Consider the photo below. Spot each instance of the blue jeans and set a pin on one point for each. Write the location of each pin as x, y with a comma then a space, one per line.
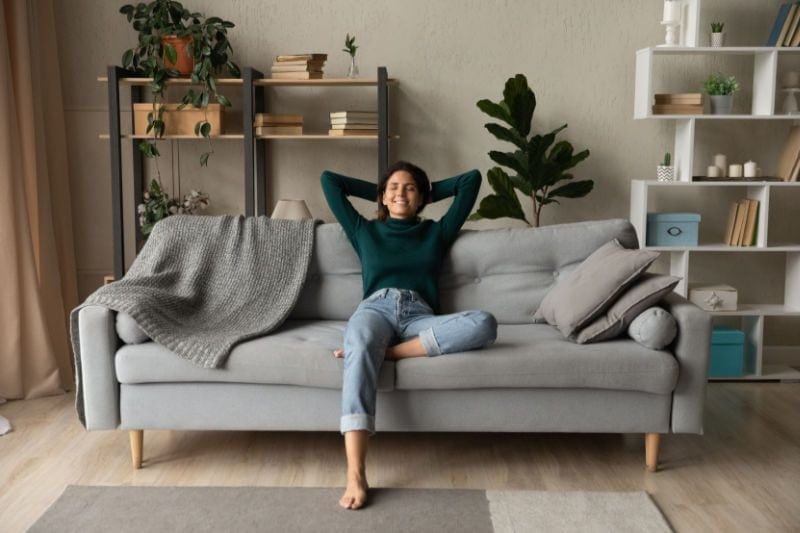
390, 316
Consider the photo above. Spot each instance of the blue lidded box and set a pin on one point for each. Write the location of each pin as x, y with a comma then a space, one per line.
672, 229
727, 353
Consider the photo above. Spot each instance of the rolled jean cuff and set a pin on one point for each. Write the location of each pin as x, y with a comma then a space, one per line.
357, 422
429, 342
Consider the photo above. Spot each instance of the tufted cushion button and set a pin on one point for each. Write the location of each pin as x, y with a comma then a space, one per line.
477, 280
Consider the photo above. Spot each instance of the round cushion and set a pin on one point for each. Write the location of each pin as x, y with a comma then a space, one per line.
653, 328
129, 331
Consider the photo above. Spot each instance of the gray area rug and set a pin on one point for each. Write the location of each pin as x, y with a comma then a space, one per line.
173, 509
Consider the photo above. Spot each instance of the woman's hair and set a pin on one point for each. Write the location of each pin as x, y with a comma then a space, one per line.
420, 178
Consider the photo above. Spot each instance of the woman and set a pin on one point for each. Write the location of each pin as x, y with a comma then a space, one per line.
400, 260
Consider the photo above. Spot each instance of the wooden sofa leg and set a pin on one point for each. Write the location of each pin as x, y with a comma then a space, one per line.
137, 441
651, 441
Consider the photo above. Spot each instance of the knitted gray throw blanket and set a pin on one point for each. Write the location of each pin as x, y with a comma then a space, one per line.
202, 284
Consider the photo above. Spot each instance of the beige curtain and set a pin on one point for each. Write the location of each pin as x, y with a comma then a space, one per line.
37, 261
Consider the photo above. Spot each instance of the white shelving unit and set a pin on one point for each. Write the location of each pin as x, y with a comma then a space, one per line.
765, 74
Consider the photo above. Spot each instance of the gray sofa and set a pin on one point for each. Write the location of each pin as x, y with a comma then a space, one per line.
530, 380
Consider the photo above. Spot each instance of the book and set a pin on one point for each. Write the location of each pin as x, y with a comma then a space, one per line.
741, 214
301, 57
279, 130
373, 127
679, 98
786, 24
789, 154
731, 223
296, 68
354, 114
355, 121
787, 41
677, 109
299, 63
297, 75
750, 223
778, 25
355, 133
265, 119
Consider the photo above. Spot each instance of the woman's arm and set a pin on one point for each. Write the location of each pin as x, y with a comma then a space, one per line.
337, 188
465, 188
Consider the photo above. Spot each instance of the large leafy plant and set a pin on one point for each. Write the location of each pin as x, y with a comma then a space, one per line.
536, 167
209, 48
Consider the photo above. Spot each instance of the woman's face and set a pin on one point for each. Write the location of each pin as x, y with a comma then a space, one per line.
401, 196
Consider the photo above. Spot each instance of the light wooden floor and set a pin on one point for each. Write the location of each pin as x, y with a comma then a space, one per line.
742, 475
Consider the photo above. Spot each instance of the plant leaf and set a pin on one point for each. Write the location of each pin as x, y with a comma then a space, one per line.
205, 129
494, 110
573, 189
509, 160
521, 102
506, 134
494, 206
204, 159
222, 99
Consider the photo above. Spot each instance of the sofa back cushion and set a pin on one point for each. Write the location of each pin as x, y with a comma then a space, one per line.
504, 271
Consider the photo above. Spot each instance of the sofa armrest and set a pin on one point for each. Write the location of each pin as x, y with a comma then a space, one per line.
691, 348
99, 386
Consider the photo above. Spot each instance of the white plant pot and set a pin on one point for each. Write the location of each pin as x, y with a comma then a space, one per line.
721, 104
718, 39
664, 173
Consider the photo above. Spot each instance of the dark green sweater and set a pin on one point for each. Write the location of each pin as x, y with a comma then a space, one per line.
401, 253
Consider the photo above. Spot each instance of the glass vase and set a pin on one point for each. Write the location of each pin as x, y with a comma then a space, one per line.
352, 72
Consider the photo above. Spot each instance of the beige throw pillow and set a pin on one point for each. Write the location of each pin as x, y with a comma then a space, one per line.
643, 293
588, 290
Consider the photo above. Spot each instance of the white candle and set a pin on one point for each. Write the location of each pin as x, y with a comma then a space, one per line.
750, 169
722, 162
735, 171
672, 10
712, 171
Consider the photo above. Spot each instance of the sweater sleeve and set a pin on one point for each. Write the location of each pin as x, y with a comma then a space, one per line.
465, 188
336, 189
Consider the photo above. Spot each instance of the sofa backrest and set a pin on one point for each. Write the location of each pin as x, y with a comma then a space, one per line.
505, 271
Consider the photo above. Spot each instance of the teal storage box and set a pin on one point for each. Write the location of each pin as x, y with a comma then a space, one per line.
672, 229
727, 353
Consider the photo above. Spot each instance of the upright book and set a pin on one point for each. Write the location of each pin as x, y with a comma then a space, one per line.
783, 11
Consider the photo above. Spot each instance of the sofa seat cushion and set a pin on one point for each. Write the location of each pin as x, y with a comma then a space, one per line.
300, 352
538, 356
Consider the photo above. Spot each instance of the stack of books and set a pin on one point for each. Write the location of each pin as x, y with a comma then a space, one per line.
299, 66
786, 28
678, 104
742, 223
345, 123
272, 124
789, 160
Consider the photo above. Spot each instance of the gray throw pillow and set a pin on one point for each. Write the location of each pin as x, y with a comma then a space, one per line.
654, 328
589, 289
646, 291
129, 331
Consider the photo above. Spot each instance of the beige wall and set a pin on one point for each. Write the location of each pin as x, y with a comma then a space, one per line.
578, 56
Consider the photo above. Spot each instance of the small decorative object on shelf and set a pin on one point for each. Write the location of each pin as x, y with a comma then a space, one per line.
672, 21
678, 104
291, 210
157, 205
713, 297
720, 89
350, 47
665, 171
717, 36
721, 162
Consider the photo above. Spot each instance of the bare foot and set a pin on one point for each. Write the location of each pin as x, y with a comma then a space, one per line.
355, 495
338, 353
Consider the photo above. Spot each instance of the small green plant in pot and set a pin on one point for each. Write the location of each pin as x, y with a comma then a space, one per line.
161, 26
720, 89
664, 171
717, 36
537, 166
350, 47
158, 205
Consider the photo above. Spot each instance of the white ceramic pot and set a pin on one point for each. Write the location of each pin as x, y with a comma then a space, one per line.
717, 39
664, 173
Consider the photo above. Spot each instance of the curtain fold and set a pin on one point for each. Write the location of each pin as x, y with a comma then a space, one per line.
37, 263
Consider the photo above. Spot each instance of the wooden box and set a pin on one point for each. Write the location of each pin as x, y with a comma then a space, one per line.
178, 122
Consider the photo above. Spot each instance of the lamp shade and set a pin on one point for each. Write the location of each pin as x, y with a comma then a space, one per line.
291, 209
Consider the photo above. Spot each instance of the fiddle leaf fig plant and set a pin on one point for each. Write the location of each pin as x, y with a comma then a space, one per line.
155, 57
536, 168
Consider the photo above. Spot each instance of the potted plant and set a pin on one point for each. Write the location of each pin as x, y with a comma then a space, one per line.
717, 37
665, 171
537, 165
720, 89
350, 47
158, 205
172, 41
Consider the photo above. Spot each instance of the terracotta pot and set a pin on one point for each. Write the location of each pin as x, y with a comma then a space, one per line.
185, 61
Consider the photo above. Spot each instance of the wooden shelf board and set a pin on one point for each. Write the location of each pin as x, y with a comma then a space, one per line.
177, 137
720, 117
722, 50
344, 82
656, 183
768, 373
171, 81
760, 310
320, 136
